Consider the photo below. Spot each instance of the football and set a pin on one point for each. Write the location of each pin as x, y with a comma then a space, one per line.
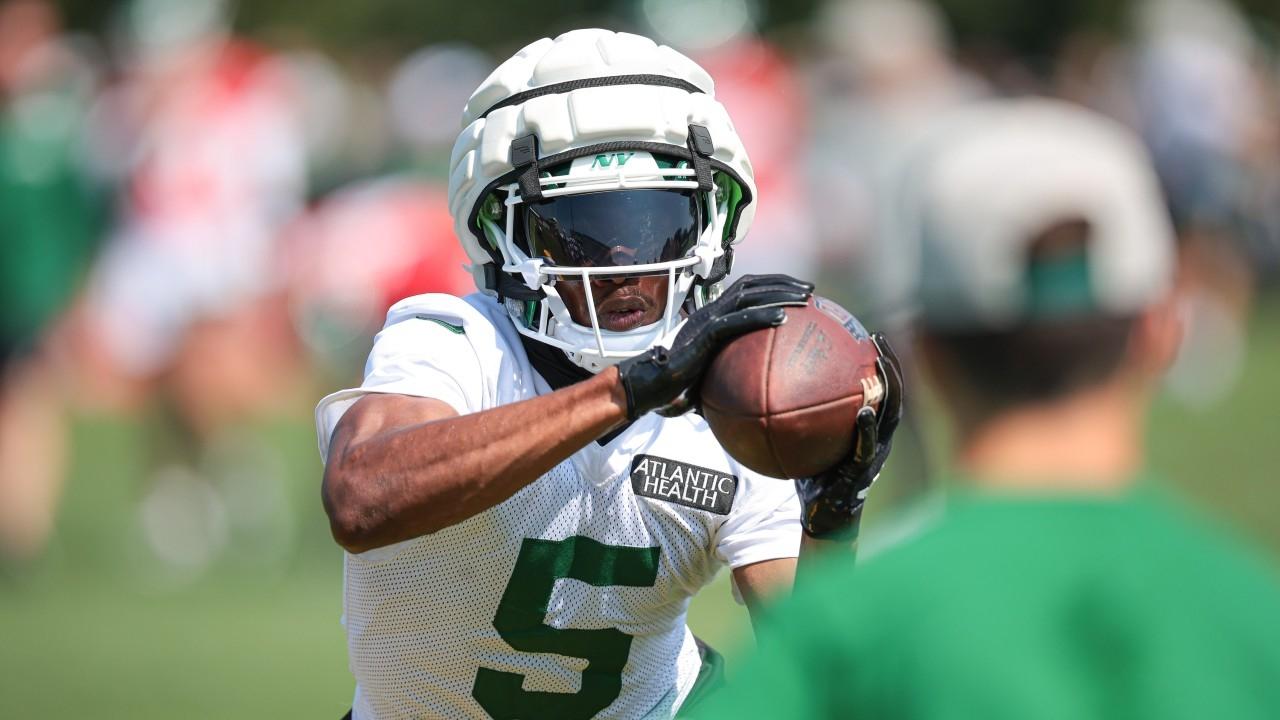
783, 400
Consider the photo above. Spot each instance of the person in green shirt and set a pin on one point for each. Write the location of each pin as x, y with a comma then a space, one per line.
1056, 577
51, 216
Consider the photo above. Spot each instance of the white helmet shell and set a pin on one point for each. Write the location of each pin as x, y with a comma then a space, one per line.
585, 92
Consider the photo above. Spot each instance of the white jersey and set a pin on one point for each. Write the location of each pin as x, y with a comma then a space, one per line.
569, 599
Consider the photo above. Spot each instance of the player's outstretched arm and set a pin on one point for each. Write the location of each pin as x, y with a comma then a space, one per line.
400, 466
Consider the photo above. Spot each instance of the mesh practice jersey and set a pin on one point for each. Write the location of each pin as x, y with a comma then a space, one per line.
569, 599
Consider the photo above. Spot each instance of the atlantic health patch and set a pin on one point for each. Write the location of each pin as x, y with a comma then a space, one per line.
683, 484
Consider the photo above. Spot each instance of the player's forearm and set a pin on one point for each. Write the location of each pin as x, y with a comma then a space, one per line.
414, 480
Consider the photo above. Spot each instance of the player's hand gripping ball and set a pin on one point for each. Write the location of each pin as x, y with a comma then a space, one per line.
816, 399
666, 380
832, 500
784, 400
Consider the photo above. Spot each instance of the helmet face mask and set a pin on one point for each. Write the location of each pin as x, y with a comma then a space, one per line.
633, 219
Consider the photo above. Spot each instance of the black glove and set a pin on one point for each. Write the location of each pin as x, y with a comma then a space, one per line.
667, 380
832, 500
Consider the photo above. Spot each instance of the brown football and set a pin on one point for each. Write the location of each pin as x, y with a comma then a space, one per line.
783, 400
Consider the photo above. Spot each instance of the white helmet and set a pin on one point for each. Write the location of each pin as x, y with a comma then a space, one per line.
583, 129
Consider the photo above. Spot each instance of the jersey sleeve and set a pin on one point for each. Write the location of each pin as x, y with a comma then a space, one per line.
425, 357
764, 523
419, 352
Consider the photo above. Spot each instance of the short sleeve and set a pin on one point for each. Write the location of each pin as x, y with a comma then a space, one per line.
414, 354
428, 358
764, 523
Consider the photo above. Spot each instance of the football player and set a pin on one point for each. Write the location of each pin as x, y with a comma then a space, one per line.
526, 505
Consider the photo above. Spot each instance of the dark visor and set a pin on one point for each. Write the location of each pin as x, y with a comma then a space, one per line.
614, 228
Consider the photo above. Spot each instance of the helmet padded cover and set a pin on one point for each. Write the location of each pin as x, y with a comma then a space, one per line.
584, 116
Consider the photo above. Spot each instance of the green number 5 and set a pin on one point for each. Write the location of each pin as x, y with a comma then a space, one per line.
521, 617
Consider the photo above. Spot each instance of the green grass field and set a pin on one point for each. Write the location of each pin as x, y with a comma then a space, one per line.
94, 631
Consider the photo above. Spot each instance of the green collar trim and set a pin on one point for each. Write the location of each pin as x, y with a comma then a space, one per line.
455, 329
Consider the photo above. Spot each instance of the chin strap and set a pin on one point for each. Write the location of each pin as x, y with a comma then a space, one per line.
719, 271
507, 286
701, 148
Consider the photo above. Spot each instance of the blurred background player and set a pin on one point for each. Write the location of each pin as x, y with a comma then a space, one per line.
220, 291
51, 211
1212, 122
1058, 577
206, 139
886, 71
181, 325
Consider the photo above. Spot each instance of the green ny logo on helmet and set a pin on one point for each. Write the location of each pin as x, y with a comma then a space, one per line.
607, 160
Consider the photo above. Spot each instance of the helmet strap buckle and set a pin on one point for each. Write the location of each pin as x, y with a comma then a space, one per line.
524, 157
700, 149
